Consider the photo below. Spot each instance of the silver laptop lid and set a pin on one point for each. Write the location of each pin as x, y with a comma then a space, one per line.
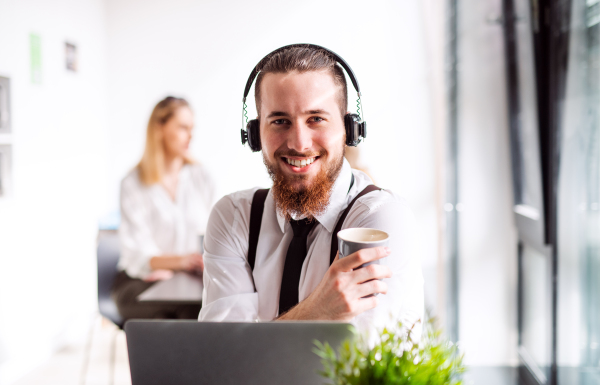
190, 352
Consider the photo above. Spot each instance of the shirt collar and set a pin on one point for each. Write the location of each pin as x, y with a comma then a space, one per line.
336, 201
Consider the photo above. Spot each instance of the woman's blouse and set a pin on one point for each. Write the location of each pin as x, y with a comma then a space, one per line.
153, 224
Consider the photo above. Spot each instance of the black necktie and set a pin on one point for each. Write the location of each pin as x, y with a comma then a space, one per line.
288, 296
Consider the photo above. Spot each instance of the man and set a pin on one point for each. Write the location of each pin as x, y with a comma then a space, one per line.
301, 98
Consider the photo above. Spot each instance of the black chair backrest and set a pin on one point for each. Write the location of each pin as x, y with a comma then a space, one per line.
108, 258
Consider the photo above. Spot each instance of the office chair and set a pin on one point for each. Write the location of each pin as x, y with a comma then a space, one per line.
108, 258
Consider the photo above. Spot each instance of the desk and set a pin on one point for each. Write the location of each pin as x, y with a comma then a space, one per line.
182, 288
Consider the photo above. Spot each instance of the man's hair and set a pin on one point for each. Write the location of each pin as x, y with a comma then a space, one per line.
303, 59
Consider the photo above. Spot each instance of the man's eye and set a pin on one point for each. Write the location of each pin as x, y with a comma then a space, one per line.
279, 121
317, 119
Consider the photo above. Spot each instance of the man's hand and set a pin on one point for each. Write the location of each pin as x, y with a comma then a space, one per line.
339, 295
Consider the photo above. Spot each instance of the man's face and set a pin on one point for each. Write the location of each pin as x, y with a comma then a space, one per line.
301, 129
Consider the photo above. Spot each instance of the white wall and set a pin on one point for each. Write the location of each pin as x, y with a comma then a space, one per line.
48, 226
205, 50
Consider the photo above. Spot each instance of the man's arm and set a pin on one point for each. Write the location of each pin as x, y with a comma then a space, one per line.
403, 296
229, 293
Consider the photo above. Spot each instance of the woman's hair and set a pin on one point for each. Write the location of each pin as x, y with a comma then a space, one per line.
151, 167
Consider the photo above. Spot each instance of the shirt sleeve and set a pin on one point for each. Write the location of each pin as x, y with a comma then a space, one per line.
135, 235
229, 293
405, 297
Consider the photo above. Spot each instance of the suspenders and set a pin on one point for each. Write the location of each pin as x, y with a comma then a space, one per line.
256, 213
338, 226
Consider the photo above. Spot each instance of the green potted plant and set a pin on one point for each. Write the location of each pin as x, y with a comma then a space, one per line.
394, 358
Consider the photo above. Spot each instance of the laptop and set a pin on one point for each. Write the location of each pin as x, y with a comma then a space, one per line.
182, 288
191, 352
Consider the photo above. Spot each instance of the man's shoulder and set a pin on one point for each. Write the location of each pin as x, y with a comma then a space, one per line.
383, 210
375, 200
379, 206
378, 199
237, 201
230, 217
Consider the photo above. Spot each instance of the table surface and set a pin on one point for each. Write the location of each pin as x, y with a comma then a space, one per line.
183, 288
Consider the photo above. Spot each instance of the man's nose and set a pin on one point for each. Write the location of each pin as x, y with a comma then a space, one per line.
300, 137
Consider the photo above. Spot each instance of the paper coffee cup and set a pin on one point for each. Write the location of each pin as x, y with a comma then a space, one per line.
354, 239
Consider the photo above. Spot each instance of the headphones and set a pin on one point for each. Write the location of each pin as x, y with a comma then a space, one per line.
356, 128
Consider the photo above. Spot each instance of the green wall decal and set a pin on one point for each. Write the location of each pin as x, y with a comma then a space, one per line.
35, 46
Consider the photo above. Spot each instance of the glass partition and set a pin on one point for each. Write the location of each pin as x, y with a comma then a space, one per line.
528, 199
535, 257
536, 327
578, 204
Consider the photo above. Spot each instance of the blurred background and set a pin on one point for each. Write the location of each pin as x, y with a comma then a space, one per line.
483, 114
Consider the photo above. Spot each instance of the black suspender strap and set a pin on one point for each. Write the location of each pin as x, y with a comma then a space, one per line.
338, 226
256, 214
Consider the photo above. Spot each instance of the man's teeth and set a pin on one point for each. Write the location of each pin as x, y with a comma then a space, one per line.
300, 163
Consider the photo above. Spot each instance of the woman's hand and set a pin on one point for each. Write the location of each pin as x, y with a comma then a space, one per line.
159, 275
192, 263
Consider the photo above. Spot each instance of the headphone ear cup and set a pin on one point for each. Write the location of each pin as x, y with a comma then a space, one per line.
253, 130
363, 129
351, 122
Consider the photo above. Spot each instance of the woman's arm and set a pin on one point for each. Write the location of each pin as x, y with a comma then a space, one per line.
190, 262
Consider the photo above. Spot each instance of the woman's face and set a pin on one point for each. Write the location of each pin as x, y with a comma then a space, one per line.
177, 132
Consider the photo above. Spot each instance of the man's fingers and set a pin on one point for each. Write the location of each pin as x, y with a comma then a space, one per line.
370, 272
368, 303
363, 256
371, 287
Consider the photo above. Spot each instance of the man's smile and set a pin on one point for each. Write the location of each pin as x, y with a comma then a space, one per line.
300, 164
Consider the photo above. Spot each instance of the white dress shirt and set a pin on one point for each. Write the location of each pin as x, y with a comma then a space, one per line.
153, 224
229, 283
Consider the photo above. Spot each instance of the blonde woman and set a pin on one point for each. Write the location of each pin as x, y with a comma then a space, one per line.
165, 203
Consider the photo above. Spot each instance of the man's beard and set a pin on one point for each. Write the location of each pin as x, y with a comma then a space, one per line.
303, 201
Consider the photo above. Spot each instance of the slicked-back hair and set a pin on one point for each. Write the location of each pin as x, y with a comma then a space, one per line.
303, 59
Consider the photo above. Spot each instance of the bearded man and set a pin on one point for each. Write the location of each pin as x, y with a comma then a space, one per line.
287, 273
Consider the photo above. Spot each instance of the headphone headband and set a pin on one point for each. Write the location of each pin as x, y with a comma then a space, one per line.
337, 58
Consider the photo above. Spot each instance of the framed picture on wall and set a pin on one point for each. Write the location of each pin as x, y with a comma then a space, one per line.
5, 170
71, 56
4, 105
